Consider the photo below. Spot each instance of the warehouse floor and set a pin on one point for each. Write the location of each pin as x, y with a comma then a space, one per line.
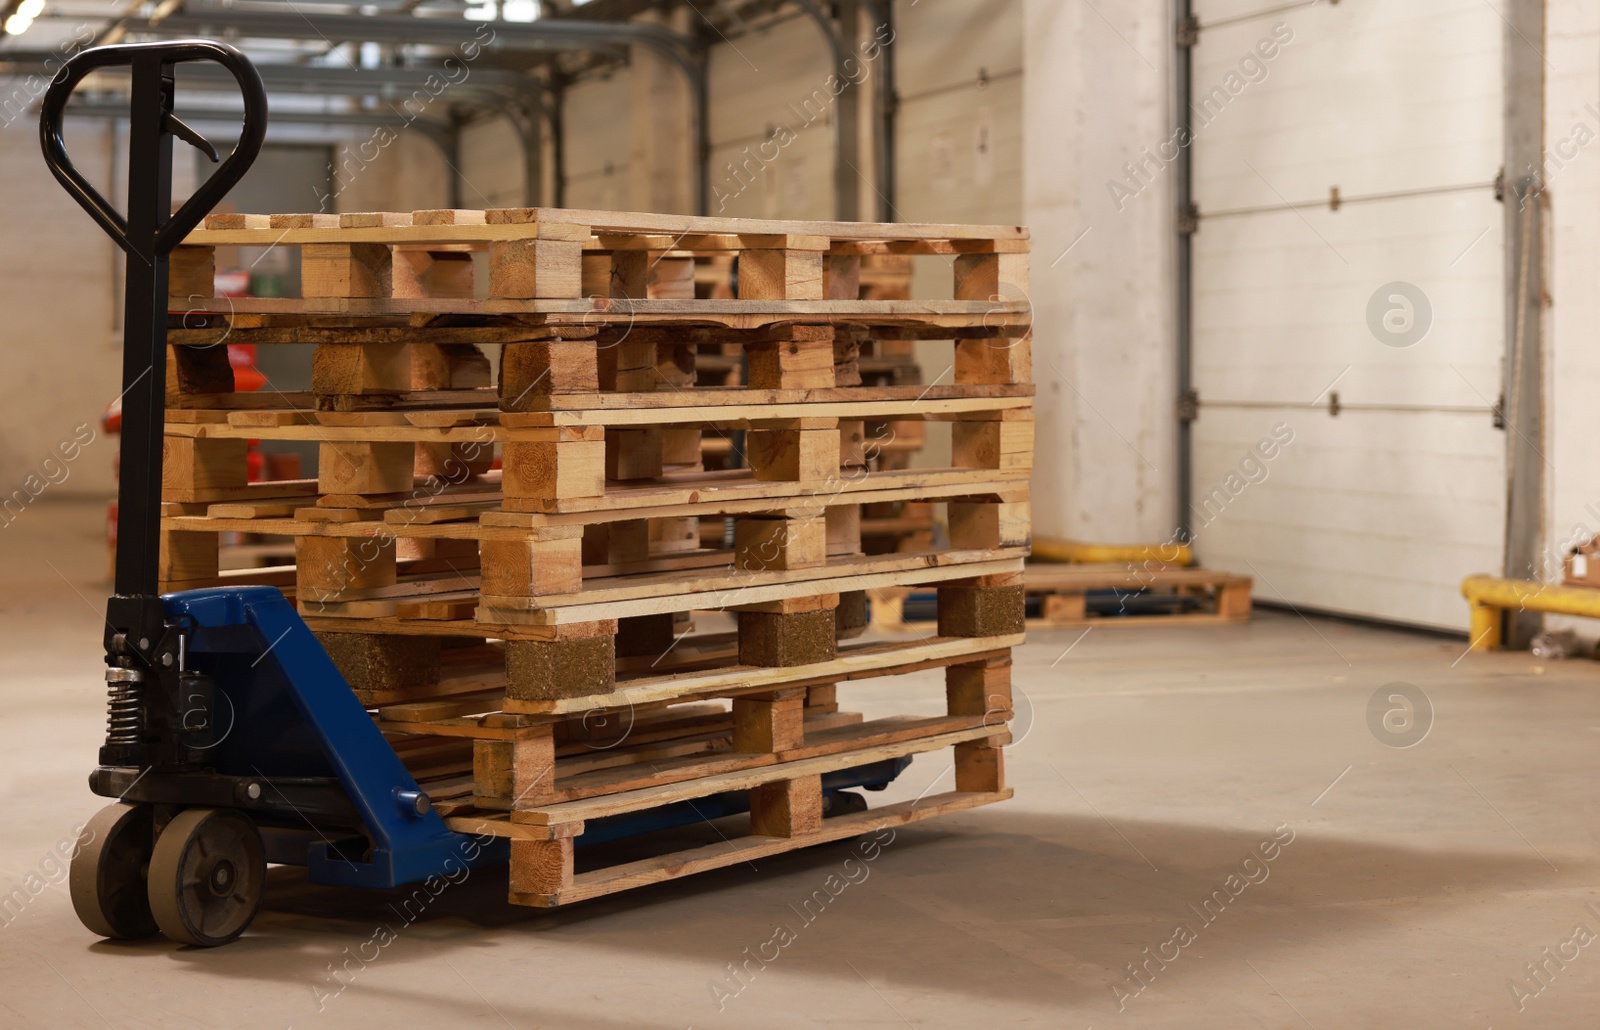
1402, 887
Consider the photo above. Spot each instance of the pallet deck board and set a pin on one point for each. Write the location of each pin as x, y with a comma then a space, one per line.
627, 876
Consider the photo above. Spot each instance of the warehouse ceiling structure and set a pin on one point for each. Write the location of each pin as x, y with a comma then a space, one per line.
382, 64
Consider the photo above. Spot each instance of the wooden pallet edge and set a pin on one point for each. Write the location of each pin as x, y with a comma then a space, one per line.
873, 660
679, 864
556, 818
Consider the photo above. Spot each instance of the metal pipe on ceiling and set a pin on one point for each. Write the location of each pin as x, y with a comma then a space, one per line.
543, 35
523, 99
433, 132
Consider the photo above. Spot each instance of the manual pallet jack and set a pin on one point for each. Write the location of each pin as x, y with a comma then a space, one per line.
295, 771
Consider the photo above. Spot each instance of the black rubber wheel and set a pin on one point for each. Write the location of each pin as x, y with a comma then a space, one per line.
206, 876
844, 802
107, 878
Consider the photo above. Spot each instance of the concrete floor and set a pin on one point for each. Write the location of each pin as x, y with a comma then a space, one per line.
1151, 765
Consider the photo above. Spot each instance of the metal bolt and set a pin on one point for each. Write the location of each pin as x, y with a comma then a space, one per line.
253, 791
144, 643
166, 659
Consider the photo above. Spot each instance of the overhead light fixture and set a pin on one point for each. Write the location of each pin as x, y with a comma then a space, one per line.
22, 18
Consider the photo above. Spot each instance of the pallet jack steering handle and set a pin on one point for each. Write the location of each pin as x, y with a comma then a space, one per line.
149, 233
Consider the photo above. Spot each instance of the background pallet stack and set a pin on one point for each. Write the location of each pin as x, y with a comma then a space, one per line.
507, 543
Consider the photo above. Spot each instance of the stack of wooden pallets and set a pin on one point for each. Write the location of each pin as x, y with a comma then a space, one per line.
503, 548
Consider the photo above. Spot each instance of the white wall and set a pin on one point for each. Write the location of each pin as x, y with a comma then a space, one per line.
1383, 509
408, 175
492, 165
60, 352
1572, 46
598, 143
981, 140
1095, 92
759, 84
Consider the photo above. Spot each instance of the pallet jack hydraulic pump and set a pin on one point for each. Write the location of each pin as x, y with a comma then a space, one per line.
232, 739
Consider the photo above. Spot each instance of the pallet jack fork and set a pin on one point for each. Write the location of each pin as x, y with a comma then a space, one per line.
232, 739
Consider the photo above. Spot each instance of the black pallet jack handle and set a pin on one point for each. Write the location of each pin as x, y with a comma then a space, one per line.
148, 234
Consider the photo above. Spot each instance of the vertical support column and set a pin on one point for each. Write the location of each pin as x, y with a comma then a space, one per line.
1525, 72
664, 170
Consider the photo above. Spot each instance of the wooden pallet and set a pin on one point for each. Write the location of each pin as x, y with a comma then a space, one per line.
588, 268
1063, 589
524, 575
538, 780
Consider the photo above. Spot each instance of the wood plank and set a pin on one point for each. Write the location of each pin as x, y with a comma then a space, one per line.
577, 786
732, 852
702, 495
859, 662
538, 221
741, 588
645, 798
1008, 318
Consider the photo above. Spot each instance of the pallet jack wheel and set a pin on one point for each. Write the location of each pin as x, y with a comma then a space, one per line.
107, 878
206, 876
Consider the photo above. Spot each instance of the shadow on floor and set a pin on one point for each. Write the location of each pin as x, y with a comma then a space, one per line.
995, 903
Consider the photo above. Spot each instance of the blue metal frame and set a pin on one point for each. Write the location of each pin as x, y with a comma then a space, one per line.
290, 713
293, 714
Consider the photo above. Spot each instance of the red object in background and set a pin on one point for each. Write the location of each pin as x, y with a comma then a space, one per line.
111, 418
246, 377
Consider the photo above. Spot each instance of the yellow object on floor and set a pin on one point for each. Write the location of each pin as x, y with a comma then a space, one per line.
1071, 552
1491, 597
